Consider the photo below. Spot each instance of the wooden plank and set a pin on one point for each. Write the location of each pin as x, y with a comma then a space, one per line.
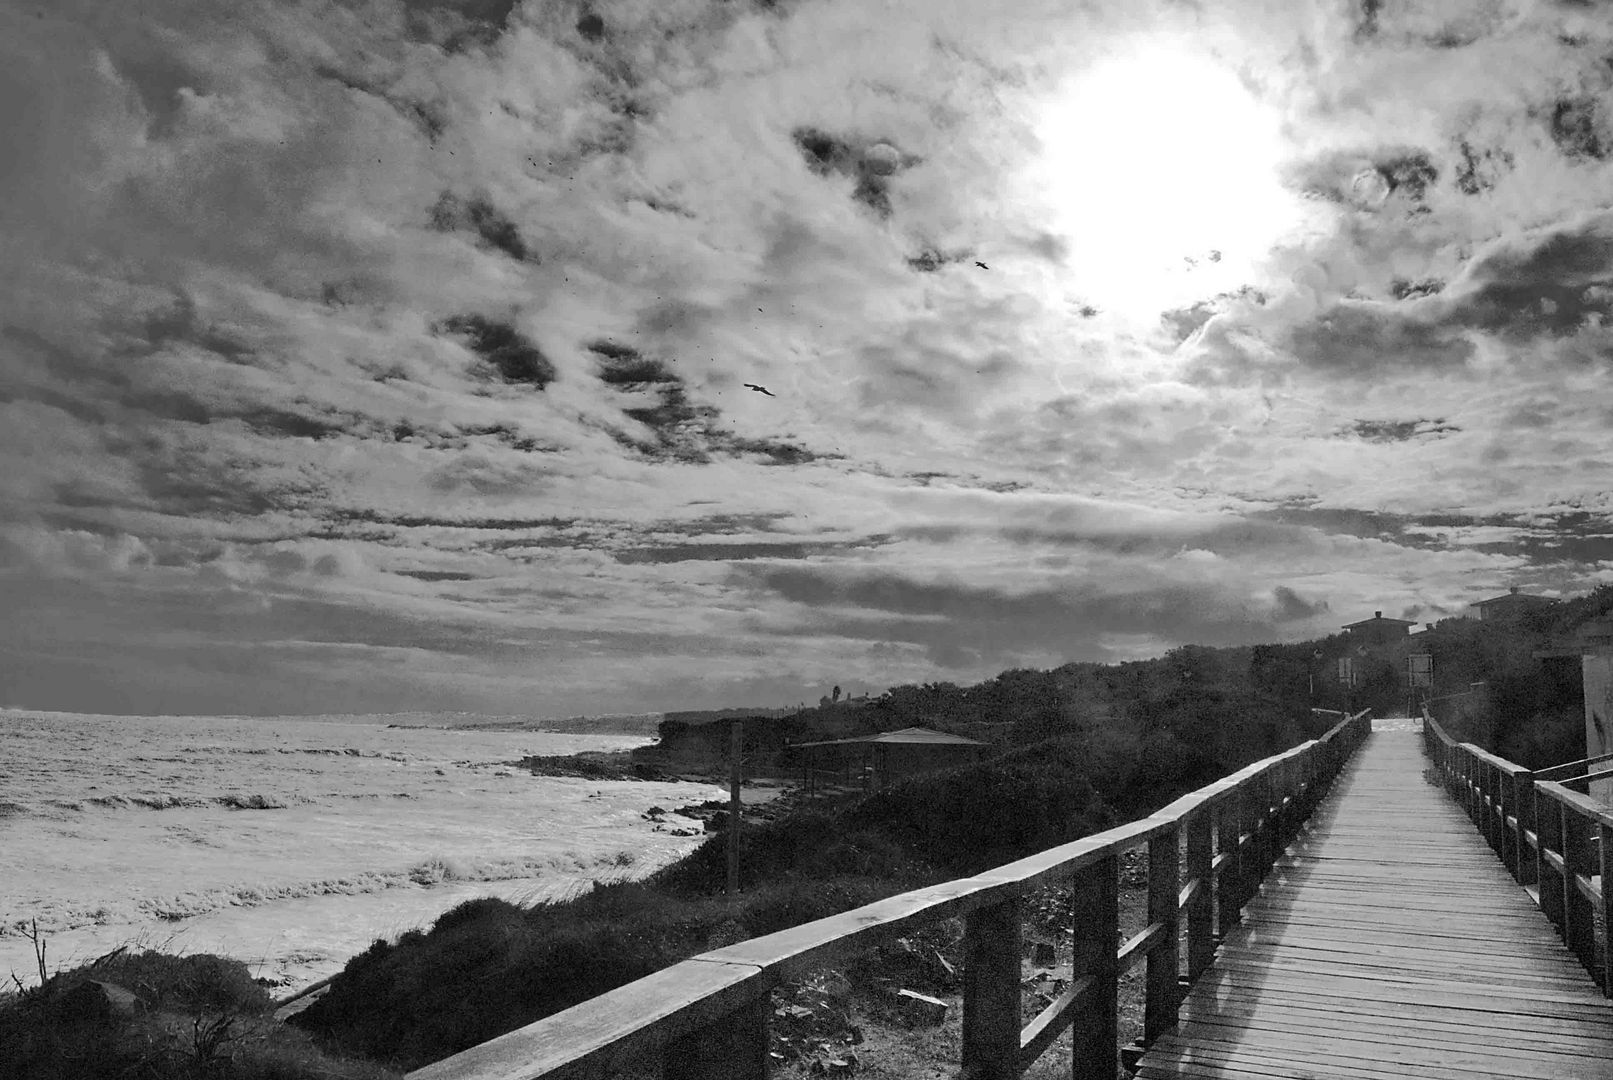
1390, 941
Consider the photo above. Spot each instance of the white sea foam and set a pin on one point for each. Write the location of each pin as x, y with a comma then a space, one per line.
291, 843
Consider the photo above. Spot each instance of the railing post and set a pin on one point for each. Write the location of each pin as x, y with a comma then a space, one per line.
1524, 798
1494, 820
734, 1047
1605, 859
1506, 794
1201, 909
1095, 1033
1229, 884
1578, 929
1164, 888
991, 1001
1549, 826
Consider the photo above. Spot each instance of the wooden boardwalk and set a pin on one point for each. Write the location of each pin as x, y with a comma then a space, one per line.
1390, 942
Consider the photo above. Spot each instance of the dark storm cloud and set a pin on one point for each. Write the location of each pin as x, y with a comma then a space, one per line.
480, 217
675, 553
182, 324
468, 521
965, 626
682, 429
625, 366
509, 354
1479, 169
1570, 538
1579, 128
827, 154
1389, 431
1291, 606
1364, 338
1546, 284
455, 25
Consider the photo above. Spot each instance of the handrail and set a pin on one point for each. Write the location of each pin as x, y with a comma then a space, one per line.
1547, 835
707, 1016
1572, 768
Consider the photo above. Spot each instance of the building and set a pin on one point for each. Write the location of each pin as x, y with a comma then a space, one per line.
1510, 605
1593, 645
887, 756
1379, 630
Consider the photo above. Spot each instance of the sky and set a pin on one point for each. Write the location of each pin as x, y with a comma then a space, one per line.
374, 355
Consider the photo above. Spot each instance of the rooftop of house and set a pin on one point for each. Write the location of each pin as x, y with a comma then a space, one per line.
910, 736
1378, 620
1515, 595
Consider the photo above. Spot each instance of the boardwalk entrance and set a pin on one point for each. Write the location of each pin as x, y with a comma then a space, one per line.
1390, 942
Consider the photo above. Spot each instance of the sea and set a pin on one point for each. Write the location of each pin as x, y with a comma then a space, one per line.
292, 843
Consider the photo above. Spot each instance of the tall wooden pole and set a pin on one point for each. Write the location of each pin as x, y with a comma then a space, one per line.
736, 743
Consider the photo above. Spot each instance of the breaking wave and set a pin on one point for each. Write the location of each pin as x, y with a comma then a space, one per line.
441, 870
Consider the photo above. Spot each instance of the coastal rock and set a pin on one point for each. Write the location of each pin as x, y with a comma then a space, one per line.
94, 1001
921, 1008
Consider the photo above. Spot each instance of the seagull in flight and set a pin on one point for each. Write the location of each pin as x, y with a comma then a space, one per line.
759, 389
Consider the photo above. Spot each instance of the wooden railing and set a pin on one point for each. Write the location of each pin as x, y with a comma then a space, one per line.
707, 1017
1548, 835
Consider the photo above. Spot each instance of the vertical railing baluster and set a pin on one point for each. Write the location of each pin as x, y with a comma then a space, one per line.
1164, 887
1229, 883
1524, 798
1578, 929
1548, 823
991, 996
1095, 1034
1201, 910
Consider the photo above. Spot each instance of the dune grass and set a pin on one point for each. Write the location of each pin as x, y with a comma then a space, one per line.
152, 1015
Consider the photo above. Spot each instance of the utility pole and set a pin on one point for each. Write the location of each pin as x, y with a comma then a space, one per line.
736, 743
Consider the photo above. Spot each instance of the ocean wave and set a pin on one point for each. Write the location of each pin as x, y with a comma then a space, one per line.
230, 800
438, 870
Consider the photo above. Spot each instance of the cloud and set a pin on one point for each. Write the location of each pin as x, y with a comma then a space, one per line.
363, 354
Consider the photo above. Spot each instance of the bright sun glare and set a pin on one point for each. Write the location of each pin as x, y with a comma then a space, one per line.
1162, 170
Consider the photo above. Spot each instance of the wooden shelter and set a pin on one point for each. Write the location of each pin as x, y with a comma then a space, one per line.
877, 760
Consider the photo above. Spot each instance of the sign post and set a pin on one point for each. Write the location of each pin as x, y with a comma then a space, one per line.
736, 743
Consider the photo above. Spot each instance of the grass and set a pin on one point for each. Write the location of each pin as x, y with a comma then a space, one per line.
152, 1015
487, 967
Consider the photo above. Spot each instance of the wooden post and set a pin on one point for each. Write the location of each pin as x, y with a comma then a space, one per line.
1267, 825
732, 1048
1505, 798
1229, 885
991, 971
1549, 822
1524, 799
1541, 869
1578, 930
1164, 885
736, 746
1096, 1030
1201, 909
1605, 858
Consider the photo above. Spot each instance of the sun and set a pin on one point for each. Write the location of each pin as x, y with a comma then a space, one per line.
1162, 170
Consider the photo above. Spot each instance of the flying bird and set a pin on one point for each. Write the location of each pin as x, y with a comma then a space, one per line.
982, 265
759, 389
